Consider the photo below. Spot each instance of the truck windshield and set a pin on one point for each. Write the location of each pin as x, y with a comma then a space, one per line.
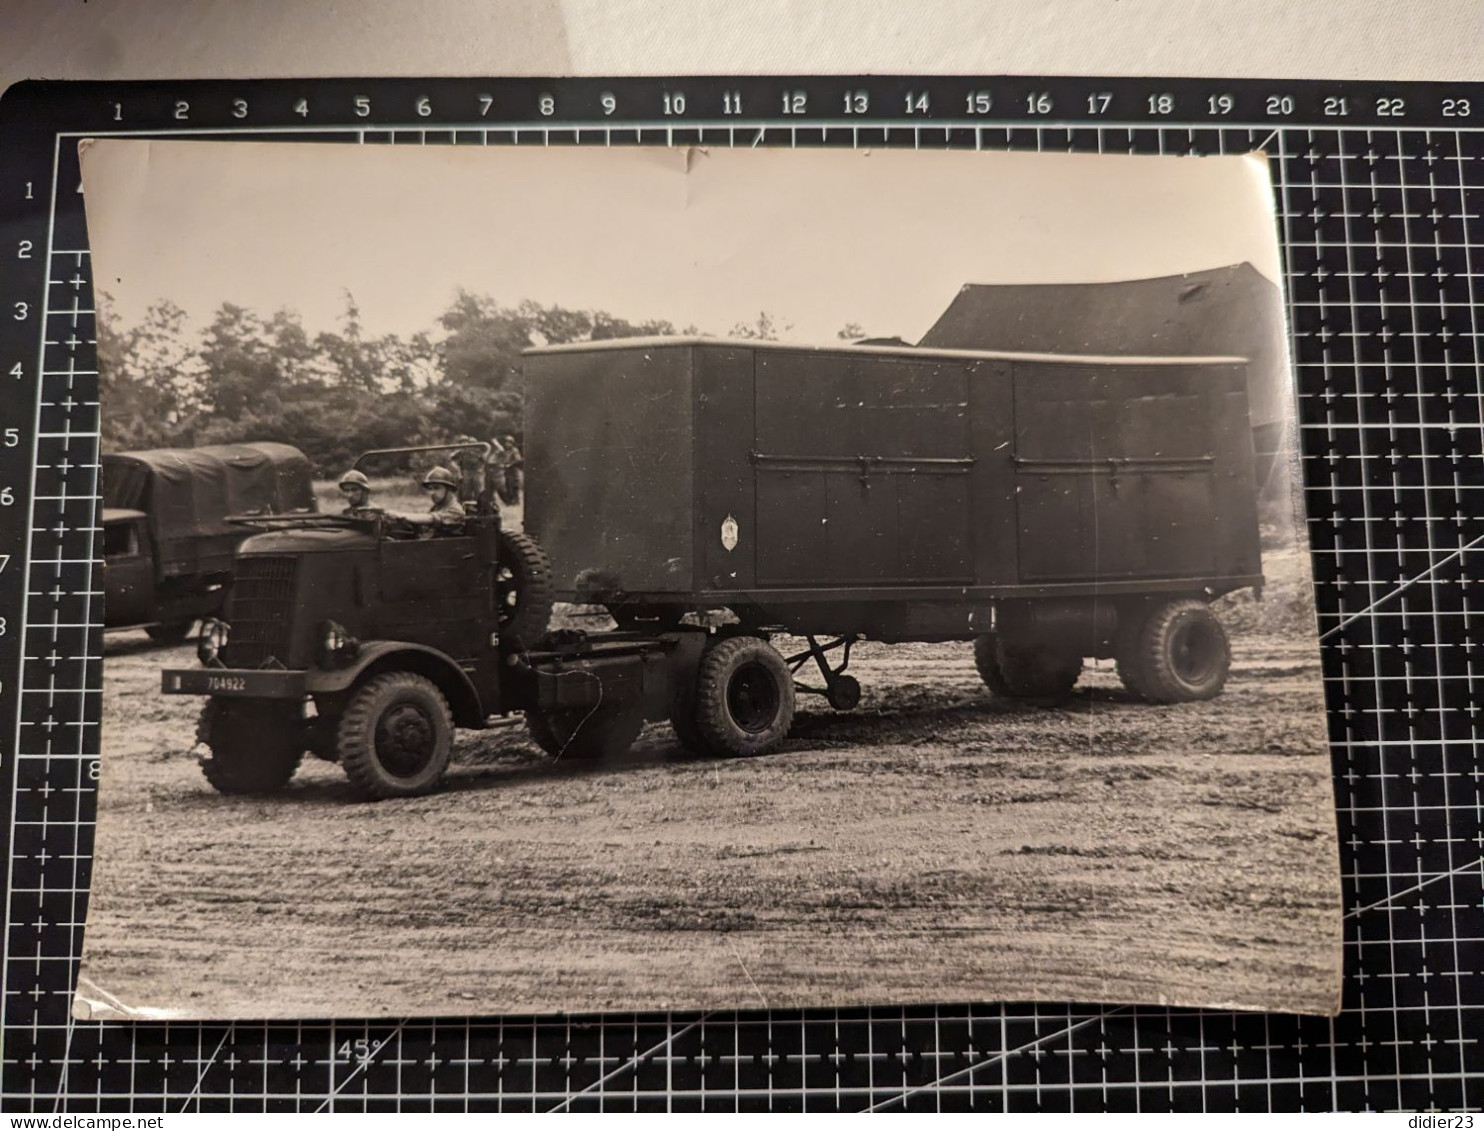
120, 540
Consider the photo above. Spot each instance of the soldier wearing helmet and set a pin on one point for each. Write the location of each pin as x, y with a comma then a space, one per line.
442, 487
510, 472
467, 464
357, 491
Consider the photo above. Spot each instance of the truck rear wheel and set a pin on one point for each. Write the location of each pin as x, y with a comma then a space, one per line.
744, 702
522, 589
1025, 671
1177, 653
582, 734
255, 745
395, 737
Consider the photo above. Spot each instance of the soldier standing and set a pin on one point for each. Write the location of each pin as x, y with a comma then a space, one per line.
442, 487
467, 463
510, 472
357, 491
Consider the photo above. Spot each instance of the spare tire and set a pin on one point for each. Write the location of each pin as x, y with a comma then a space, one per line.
523, 590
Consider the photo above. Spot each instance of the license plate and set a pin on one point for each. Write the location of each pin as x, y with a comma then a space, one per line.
228, 682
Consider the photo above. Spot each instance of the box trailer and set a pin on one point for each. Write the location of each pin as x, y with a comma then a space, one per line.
1048, 507
894, 493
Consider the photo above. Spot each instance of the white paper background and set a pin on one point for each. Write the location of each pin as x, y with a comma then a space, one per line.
116, 39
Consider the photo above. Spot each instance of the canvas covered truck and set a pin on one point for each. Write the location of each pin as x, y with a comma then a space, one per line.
717, 496
168, 547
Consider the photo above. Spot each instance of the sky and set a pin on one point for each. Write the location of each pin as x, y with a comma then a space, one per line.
816, 238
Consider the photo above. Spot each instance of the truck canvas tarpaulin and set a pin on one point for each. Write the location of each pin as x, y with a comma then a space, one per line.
189, 493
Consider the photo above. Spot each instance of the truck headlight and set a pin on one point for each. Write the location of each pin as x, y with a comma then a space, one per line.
212, 640
337, 646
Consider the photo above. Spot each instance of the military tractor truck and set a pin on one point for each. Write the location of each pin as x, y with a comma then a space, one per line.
168, 549
714, 496
365, 638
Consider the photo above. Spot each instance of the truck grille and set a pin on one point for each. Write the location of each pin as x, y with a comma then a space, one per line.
259, 611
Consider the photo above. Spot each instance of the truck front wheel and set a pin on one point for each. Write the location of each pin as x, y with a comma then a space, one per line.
1177, 653
255, 746
744, 703
584, 734
395, 737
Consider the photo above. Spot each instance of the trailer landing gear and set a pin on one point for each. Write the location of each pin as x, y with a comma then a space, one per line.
841, 691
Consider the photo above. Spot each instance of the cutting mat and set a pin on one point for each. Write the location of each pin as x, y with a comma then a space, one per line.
1381, 189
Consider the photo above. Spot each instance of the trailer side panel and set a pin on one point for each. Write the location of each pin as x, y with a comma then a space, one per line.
862, 470
1130, 472
726, 524
608, 468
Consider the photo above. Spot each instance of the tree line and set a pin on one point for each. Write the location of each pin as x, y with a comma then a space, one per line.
332, 394
337, 393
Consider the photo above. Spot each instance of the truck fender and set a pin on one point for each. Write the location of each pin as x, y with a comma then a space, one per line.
398, 655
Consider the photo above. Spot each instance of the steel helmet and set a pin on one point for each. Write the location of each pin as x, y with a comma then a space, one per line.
354, 479
440, 475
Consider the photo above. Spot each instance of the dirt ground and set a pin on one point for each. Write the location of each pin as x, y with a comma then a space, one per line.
934, 845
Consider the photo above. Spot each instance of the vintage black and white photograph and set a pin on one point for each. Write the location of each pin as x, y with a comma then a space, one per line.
562, 579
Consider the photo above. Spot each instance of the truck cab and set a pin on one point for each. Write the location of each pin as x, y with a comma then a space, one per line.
129, 566
367, 638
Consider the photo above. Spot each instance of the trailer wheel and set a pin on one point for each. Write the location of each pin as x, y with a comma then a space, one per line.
170, 632
582, 734
987, 661
1025, 671
1178, 653
395, 737
844, 693
255, 746
522, 589
744, 698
